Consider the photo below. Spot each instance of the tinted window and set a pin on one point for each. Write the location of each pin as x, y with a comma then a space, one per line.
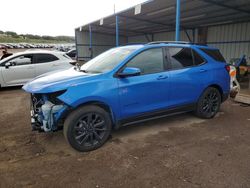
215, 54
180, 57
149, 61
44, 58
197, 58
72, 53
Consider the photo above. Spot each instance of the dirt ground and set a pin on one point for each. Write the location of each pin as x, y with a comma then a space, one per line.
178, 151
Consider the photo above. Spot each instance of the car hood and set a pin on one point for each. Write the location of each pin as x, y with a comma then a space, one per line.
57, 81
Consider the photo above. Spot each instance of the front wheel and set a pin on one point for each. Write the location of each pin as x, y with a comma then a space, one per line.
209, 103
87, 128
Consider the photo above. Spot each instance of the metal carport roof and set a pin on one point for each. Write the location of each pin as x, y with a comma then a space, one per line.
159, 16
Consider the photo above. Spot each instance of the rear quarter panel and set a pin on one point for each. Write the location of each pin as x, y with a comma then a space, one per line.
219, 75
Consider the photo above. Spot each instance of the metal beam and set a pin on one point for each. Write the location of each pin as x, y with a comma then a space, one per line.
148, 39
117, 30
90, 42
152, 37
103, 33
193, 32
120, 29
187, 35
147, 21
90, 37
76, 45
226, 6
177, 26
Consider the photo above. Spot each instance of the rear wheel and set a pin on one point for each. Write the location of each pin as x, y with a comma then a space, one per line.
87, 128
209, 103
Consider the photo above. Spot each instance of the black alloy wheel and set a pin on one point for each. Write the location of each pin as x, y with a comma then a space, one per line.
90, 129
87, 128
209, 103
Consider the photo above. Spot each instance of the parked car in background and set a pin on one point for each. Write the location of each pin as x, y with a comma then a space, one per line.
22, 67
72, 53
2, 46
129, 84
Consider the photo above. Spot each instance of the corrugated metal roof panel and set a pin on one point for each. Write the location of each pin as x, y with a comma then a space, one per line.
160, 15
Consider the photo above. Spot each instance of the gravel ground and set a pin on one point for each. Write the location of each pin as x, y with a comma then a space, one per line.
178, 151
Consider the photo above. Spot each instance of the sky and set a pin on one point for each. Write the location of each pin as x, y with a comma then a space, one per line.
55, 17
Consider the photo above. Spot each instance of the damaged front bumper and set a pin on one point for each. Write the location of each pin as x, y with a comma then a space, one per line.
46, 112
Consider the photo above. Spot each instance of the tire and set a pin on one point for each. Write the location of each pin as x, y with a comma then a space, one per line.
87, 128
209, 103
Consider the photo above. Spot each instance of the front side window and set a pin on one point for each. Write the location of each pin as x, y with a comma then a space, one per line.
21, 60
149, 61
180, 57
45, 58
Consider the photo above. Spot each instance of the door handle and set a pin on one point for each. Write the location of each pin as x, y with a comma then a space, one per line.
30, 67
54, 65
162, 77
203, 70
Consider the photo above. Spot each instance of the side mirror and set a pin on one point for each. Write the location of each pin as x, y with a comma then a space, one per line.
129, 71
7, 65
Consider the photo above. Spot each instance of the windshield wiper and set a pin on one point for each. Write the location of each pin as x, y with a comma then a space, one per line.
90, 71
85, 71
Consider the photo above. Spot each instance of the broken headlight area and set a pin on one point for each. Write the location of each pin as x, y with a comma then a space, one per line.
46, 110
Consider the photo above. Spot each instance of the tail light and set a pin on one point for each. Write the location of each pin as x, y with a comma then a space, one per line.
227, 67
233, 73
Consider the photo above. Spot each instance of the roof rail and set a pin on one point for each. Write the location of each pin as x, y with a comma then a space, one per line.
133, 43
175, 42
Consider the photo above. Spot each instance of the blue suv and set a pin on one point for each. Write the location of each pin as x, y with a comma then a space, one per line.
128, 84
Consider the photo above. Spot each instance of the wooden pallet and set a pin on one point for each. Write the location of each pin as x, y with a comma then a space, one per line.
242, 98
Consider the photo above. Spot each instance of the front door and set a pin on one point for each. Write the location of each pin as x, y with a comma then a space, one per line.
147, 92
19, 70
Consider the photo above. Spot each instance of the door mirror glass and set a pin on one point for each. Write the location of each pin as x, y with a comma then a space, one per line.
130, 71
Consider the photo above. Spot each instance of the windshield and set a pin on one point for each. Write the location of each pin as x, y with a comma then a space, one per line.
108, 60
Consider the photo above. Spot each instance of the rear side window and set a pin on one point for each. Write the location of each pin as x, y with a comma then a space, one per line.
197, 58
214, 53
45, 58
72, 53
180, 57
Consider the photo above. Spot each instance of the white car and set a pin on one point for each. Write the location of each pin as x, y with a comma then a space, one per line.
21, 67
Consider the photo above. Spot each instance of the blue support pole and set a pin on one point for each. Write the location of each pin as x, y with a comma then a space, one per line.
117, 30
177, 26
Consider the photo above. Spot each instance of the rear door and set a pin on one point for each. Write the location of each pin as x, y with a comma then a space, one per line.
21, 70
187, 75
149, 91
45, 63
